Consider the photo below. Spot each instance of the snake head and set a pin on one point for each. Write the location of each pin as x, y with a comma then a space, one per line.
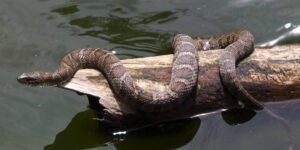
27, 79
31, 78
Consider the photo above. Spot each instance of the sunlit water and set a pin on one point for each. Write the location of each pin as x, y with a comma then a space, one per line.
36, 34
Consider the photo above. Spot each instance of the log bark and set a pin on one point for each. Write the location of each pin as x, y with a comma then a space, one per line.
269, 74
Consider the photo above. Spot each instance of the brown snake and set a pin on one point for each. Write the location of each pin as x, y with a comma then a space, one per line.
238, 45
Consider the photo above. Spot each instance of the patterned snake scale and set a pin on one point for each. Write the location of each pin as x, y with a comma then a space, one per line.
238, 45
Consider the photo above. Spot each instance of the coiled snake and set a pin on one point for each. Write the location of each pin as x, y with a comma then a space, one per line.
238, 45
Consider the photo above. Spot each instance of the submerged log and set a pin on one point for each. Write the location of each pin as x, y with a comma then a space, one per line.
270, 75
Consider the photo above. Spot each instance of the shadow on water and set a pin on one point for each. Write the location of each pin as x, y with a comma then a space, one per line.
83, 132
125, 32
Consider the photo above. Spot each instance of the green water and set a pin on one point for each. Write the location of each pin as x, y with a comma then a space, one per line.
36, 34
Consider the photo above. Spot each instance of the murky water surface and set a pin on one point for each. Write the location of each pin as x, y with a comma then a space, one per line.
36, 34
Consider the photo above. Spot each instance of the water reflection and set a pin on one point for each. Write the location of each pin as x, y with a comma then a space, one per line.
83, 132
166, 136
237, 116
125, 32
67, 10
290, 35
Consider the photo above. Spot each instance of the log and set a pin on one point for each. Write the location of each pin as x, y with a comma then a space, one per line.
269, 74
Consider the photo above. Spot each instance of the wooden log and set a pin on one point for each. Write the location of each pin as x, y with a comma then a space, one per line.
270, 75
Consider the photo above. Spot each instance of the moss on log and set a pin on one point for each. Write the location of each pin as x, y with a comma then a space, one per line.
270, 75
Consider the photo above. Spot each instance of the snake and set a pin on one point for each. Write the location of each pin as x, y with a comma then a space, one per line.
184, 72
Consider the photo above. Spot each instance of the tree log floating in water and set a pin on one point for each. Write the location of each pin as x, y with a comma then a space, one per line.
270, 75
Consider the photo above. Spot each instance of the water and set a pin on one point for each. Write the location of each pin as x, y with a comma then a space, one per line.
35, 34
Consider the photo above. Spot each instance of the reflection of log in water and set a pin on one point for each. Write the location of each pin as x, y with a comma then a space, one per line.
84, 132
269, 74
81, 133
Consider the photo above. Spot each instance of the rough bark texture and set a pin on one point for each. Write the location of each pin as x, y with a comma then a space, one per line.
270, 75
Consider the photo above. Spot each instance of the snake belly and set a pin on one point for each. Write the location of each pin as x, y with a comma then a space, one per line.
183, 78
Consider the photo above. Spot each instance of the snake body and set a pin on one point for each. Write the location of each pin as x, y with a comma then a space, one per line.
183, 79
238, 45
